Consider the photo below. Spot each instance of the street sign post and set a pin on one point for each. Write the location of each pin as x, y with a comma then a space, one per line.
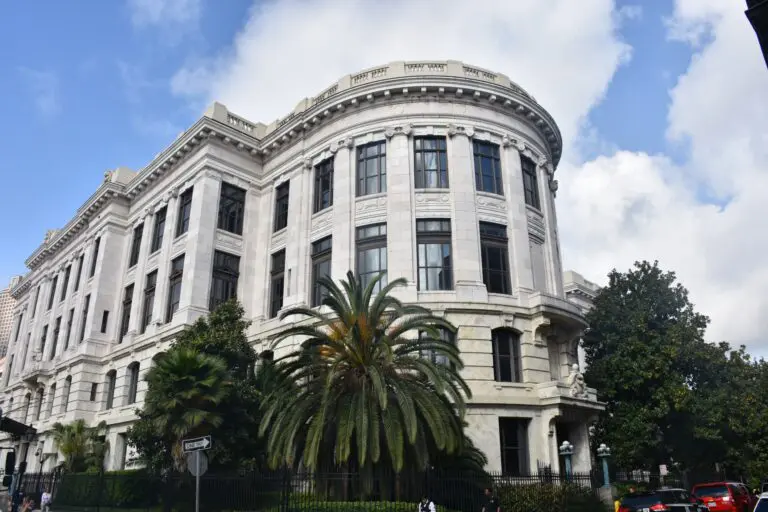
193, 449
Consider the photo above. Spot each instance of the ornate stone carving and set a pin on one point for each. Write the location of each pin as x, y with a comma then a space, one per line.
553, 186
576, 384
108, 176
507, 141
229, 240
349, 142
423, 198
520, 146
307, 164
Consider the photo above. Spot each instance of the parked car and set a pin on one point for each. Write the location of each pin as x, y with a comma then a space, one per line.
663, 500
725, 496
762, 503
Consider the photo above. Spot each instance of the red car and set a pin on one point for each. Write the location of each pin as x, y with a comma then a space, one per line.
725, 496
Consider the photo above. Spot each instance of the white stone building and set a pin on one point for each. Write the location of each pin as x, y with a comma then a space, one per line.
438, 172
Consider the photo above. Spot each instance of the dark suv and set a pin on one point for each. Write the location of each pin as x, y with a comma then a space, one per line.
663, 500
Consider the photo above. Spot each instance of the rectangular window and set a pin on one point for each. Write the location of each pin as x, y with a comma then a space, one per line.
372, 168
104, 321
96, 245
174, 287
432, 355
111, 378
495, 257
43, 339
52, 295
149, 300
34, 304
185, 210
277, 283
226, 271
159, 229
133, 382
372, 253
138, 233
231, 209
84, 320
70, 319
488, 168
79, 271
64, 286
513, 439
530, 182
18, 327
56, 330
125, 319
430, 162
321, 267
94, 388
433, 239
281, 206
323, 185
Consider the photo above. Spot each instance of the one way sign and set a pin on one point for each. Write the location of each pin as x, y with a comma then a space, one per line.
196, 444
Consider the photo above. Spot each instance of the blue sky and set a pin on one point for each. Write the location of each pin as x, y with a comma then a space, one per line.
665, 130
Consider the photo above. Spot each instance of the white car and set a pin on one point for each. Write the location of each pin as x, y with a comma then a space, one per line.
762, 503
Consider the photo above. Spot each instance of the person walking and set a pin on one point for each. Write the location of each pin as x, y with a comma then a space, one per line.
45, 501
492, 503
426, 505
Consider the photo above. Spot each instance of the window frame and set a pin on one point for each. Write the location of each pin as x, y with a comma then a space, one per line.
371, 237
43, 340
65, 396
80, 262
125, 316
494, 157
511, 361
70, 321
111, 385
320, 254
277, 275
148, 305
227, 274
95, 257
381, 170
175, 277
529, 170
138, 234
52, 295
65, 284
445, 335
322, 197
158, 230
421, 173
519, 448
231, 214
133, 382
495, 241
56, 331
86, 307
282, 206
441, 236
185, 212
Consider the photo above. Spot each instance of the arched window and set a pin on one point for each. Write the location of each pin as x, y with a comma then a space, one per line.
157, 358
133, 381
39, 400
506, 356
51, 398
65, 394
445, 335
110, 398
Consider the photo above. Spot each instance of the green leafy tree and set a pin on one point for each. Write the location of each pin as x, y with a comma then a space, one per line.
83, 447
357, 393
643, 352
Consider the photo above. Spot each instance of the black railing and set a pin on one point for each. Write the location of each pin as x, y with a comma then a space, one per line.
314, 492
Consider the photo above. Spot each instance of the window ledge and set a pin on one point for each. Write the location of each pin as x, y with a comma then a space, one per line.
324, 211
228, 233
489, 194
534, 210
370, 196
512, 385
431, 190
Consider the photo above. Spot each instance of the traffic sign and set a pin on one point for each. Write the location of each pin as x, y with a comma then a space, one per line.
196, 444
192, 463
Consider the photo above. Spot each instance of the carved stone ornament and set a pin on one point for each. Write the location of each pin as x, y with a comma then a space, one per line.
507, 141
108, 176
333, 148
405, 129
307, 163
553, 185
349, 142
576, 383
520, 146
542, 161
389, 133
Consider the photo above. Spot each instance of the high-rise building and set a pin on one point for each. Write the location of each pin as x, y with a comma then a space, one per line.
7, 306
438, 172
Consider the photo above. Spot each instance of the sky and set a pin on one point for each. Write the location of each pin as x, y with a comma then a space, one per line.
663, 107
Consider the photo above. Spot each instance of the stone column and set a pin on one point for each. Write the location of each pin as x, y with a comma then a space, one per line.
343, 257
163, 262
198, 258
547, 188
520, 250
106, 280
257, 235
297, 242
467, 265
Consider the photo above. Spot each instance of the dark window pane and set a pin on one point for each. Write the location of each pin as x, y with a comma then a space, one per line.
277, 286
231, 209
226, 272
95, 257
136, 245
530, 182
149, 300
174, 289
323, 185
185, 211
431, 162
159, 230
506, 356
321, 267
488, 168
372, 168
494, 254
281, 206
434, 254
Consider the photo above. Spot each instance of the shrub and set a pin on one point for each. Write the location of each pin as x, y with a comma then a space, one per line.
353, 506
548, 498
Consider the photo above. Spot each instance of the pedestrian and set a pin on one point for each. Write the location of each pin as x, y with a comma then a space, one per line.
27, 505
426, 505
491, 504
45, 501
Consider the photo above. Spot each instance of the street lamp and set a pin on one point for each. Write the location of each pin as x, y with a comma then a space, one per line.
566, 450
603, 452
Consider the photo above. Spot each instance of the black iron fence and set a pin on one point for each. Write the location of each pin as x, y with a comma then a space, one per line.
326, 492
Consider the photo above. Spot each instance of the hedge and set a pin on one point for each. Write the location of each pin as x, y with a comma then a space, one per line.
548, 498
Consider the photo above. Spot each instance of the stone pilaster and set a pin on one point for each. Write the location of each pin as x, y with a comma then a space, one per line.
343, 257
139, 278
198, 259
547, 188
467, 267
517, 212
298, 267
164, 262
258, 208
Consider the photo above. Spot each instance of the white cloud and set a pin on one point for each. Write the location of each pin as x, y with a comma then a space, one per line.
165, 12
44, 88
616, 209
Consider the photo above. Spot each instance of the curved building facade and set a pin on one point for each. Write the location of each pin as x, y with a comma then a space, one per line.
438, 172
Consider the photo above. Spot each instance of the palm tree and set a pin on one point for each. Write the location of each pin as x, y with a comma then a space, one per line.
81, 445
185, 390
358, 389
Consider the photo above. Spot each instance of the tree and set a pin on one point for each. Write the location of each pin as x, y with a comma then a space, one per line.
83, 447
643, 349
357, 391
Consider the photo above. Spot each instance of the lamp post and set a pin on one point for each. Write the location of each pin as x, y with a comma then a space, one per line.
603, 452
566, 450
